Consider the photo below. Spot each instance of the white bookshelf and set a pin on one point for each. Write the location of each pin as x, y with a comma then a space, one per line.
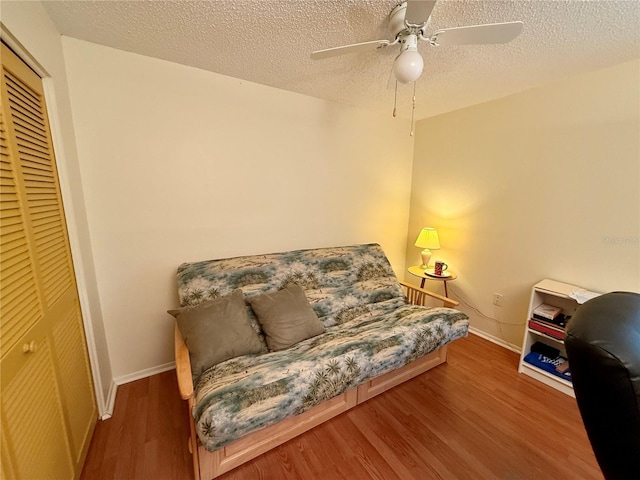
556, 294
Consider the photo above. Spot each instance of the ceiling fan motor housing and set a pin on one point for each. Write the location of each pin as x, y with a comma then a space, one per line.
408, 41
396, 20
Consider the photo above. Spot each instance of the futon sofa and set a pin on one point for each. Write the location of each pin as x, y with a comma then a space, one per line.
269, 346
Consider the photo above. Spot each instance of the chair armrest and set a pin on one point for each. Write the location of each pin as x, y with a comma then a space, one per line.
417, 295
183, 366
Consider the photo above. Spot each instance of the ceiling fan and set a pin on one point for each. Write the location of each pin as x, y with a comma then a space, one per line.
409, 22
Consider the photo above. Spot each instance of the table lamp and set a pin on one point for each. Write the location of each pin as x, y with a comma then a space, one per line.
428, 240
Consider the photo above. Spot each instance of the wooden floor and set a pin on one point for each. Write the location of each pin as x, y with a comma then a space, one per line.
472, 418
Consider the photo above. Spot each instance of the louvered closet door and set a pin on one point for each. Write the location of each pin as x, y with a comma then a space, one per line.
48, 405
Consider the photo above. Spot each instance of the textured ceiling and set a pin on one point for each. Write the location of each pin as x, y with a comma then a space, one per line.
269, 42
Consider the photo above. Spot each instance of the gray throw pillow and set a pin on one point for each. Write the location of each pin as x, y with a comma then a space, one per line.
217, 330
286, 317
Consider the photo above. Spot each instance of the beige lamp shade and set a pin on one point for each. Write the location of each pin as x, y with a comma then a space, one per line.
427, 240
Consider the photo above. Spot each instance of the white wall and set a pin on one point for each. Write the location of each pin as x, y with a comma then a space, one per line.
181, 164
542, 184
29, 24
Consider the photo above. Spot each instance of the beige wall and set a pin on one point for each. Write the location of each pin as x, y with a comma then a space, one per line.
181, 164
29, 24
542, 184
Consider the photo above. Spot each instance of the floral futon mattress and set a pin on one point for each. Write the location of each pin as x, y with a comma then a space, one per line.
370, 330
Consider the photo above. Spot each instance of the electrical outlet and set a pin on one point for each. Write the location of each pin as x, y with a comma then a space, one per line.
497, 299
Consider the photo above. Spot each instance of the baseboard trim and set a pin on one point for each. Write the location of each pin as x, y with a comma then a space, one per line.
147, 372
132, 377
111, 401
496, 340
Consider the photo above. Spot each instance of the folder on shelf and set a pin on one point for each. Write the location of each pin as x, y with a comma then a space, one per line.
556, 366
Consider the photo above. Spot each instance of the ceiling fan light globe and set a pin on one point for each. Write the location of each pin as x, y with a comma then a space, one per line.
408, 66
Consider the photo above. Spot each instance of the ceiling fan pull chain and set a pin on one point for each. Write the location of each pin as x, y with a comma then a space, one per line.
395, 99
413, 109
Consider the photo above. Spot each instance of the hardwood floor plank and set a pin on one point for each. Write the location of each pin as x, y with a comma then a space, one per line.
304, 460
472, 418
428, 446
390, 438
366, 461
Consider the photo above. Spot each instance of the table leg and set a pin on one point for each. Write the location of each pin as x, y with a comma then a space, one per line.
422, 283
446, 294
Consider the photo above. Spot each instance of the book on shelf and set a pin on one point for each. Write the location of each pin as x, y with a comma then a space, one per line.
559, 322
547, 328
546, 312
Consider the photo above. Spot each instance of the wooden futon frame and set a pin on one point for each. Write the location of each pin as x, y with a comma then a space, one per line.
207, 465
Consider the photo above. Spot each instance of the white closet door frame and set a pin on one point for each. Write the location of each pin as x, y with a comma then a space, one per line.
105, 406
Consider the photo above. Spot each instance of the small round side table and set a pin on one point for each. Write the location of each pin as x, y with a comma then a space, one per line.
420, 272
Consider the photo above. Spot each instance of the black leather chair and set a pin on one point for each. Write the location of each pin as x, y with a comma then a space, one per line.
603, 346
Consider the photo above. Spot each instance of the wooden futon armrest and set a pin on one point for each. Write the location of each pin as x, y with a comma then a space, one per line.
417, 295
183, 367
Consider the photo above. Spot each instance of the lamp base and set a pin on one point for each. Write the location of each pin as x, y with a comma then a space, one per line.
426, 256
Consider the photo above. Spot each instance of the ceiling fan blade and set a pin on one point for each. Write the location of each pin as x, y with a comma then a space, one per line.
478, 34
418, 11
355, 48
